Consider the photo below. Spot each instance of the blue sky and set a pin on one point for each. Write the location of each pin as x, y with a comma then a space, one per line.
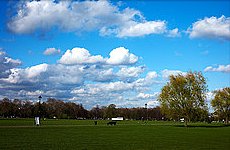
103, 52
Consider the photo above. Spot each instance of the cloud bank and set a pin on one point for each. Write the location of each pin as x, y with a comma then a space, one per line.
106, 17
89, 79
81, 77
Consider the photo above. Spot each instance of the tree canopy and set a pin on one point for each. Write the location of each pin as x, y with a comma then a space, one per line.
221, 103
53, 108
184, 97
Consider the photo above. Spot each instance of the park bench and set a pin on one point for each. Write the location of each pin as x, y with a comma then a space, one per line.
112, 123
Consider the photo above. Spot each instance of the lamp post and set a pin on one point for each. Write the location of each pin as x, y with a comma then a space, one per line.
39, 105
146, 111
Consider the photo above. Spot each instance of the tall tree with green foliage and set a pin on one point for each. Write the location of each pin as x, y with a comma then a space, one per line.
184, 96
221, 103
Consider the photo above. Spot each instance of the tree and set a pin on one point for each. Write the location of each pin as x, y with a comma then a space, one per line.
184, 96
96, 113
221, 103
111, 111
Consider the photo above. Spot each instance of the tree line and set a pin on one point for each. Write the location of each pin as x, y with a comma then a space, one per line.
54, 108
183, 97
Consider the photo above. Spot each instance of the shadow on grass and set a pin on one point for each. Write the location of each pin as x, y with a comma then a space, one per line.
204, 126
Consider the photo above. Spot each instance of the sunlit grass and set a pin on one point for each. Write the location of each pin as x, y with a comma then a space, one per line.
83, 134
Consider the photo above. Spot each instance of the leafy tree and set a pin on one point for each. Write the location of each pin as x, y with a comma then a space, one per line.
221, 103
184, 96
96, 113
26, 109
5, 108
111, 111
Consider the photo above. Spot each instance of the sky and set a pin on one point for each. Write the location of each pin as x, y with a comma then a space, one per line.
110, 52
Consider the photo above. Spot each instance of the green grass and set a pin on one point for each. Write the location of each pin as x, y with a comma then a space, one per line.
83, 134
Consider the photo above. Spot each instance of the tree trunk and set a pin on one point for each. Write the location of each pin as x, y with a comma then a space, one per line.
226, 120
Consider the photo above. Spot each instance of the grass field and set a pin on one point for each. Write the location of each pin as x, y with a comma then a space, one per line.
83, 134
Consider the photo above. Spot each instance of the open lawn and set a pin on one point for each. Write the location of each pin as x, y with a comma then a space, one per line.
83, 134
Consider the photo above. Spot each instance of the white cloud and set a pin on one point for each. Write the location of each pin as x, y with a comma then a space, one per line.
121, 56
118, 56
102, 88
148, 80
150, 98
166, 73
7, 63
13, 77
141, 29
80, 56
153, 103
130, 71
103, 16
212, 27
109, 92
36, 15
87, 81
151, 75
31, 93
52, 51
99, 73
45, 76
145, 96
62, 75
173, 33
220, 68
78, 91
28, 74
34, 71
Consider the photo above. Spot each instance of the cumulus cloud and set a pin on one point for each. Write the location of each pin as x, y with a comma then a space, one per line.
151, 75
80, 56
59, 75
126, 72
119, 92
28, 74
34, 71
173, 33
52, 51
7, 63
212, 27
103, 16
118, 56
117, 86
84, 78
98, 73
141, 29
166, 73
220, 68
121, 56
